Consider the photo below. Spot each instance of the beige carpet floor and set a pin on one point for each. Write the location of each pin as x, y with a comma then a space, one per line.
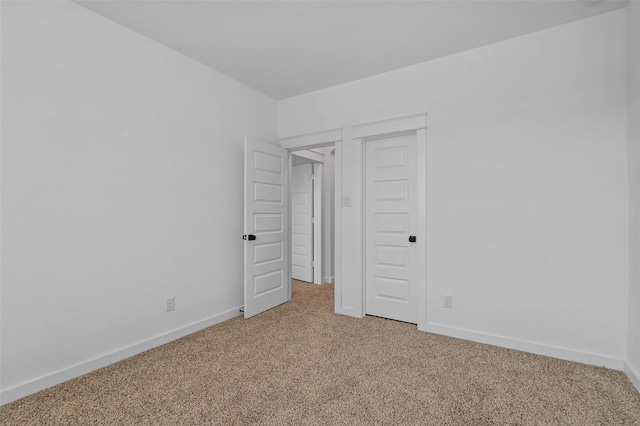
302, 364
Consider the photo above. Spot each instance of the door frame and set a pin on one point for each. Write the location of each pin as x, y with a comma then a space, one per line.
415, 124
319, 140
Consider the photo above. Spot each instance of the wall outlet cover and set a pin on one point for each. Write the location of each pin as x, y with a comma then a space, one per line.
447, 301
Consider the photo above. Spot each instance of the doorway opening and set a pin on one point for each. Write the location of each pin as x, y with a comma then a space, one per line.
312, 219
267, 219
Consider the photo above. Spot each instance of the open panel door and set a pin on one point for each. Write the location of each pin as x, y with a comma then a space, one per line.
266, 239
302, 222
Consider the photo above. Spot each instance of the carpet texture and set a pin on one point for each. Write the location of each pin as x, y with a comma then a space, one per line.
302, 364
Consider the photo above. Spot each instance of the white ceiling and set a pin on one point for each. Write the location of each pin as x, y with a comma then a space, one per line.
284, 49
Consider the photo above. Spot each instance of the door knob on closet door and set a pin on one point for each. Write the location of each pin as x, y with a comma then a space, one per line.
412, 238
249, 237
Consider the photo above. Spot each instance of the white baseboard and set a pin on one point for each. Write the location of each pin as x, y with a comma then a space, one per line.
633, 375
526, 346
348, 311
60, 376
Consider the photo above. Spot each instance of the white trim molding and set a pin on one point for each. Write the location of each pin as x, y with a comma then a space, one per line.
421, 136
527, 346
415, 124
60, 376
337, 226
633, 375
311, 140
309, 155
394, 125
349, 311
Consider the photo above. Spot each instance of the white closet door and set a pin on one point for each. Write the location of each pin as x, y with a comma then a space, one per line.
391, 209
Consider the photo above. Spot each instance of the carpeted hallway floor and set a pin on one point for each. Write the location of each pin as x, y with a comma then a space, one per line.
301, 364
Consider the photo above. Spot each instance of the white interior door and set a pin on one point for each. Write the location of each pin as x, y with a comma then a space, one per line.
391, 214
318, 219
266, 272
301, 222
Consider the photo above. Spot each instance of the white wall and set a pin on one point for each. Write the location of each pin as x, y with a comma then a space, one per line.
526, 185
121, 187
633, 49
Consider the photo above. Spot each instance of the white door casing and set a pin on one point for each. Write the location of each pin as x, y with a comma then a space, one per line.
391, 218
266, 269
315, 140
349, 270
301, 222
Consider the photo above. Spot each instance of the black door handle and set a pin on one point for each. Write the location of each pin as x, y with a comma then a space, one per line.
412, 238
249, 237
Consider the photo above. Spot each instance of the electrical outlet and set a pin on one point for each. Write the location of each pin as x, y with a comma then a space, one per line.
447, 301
171, 304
